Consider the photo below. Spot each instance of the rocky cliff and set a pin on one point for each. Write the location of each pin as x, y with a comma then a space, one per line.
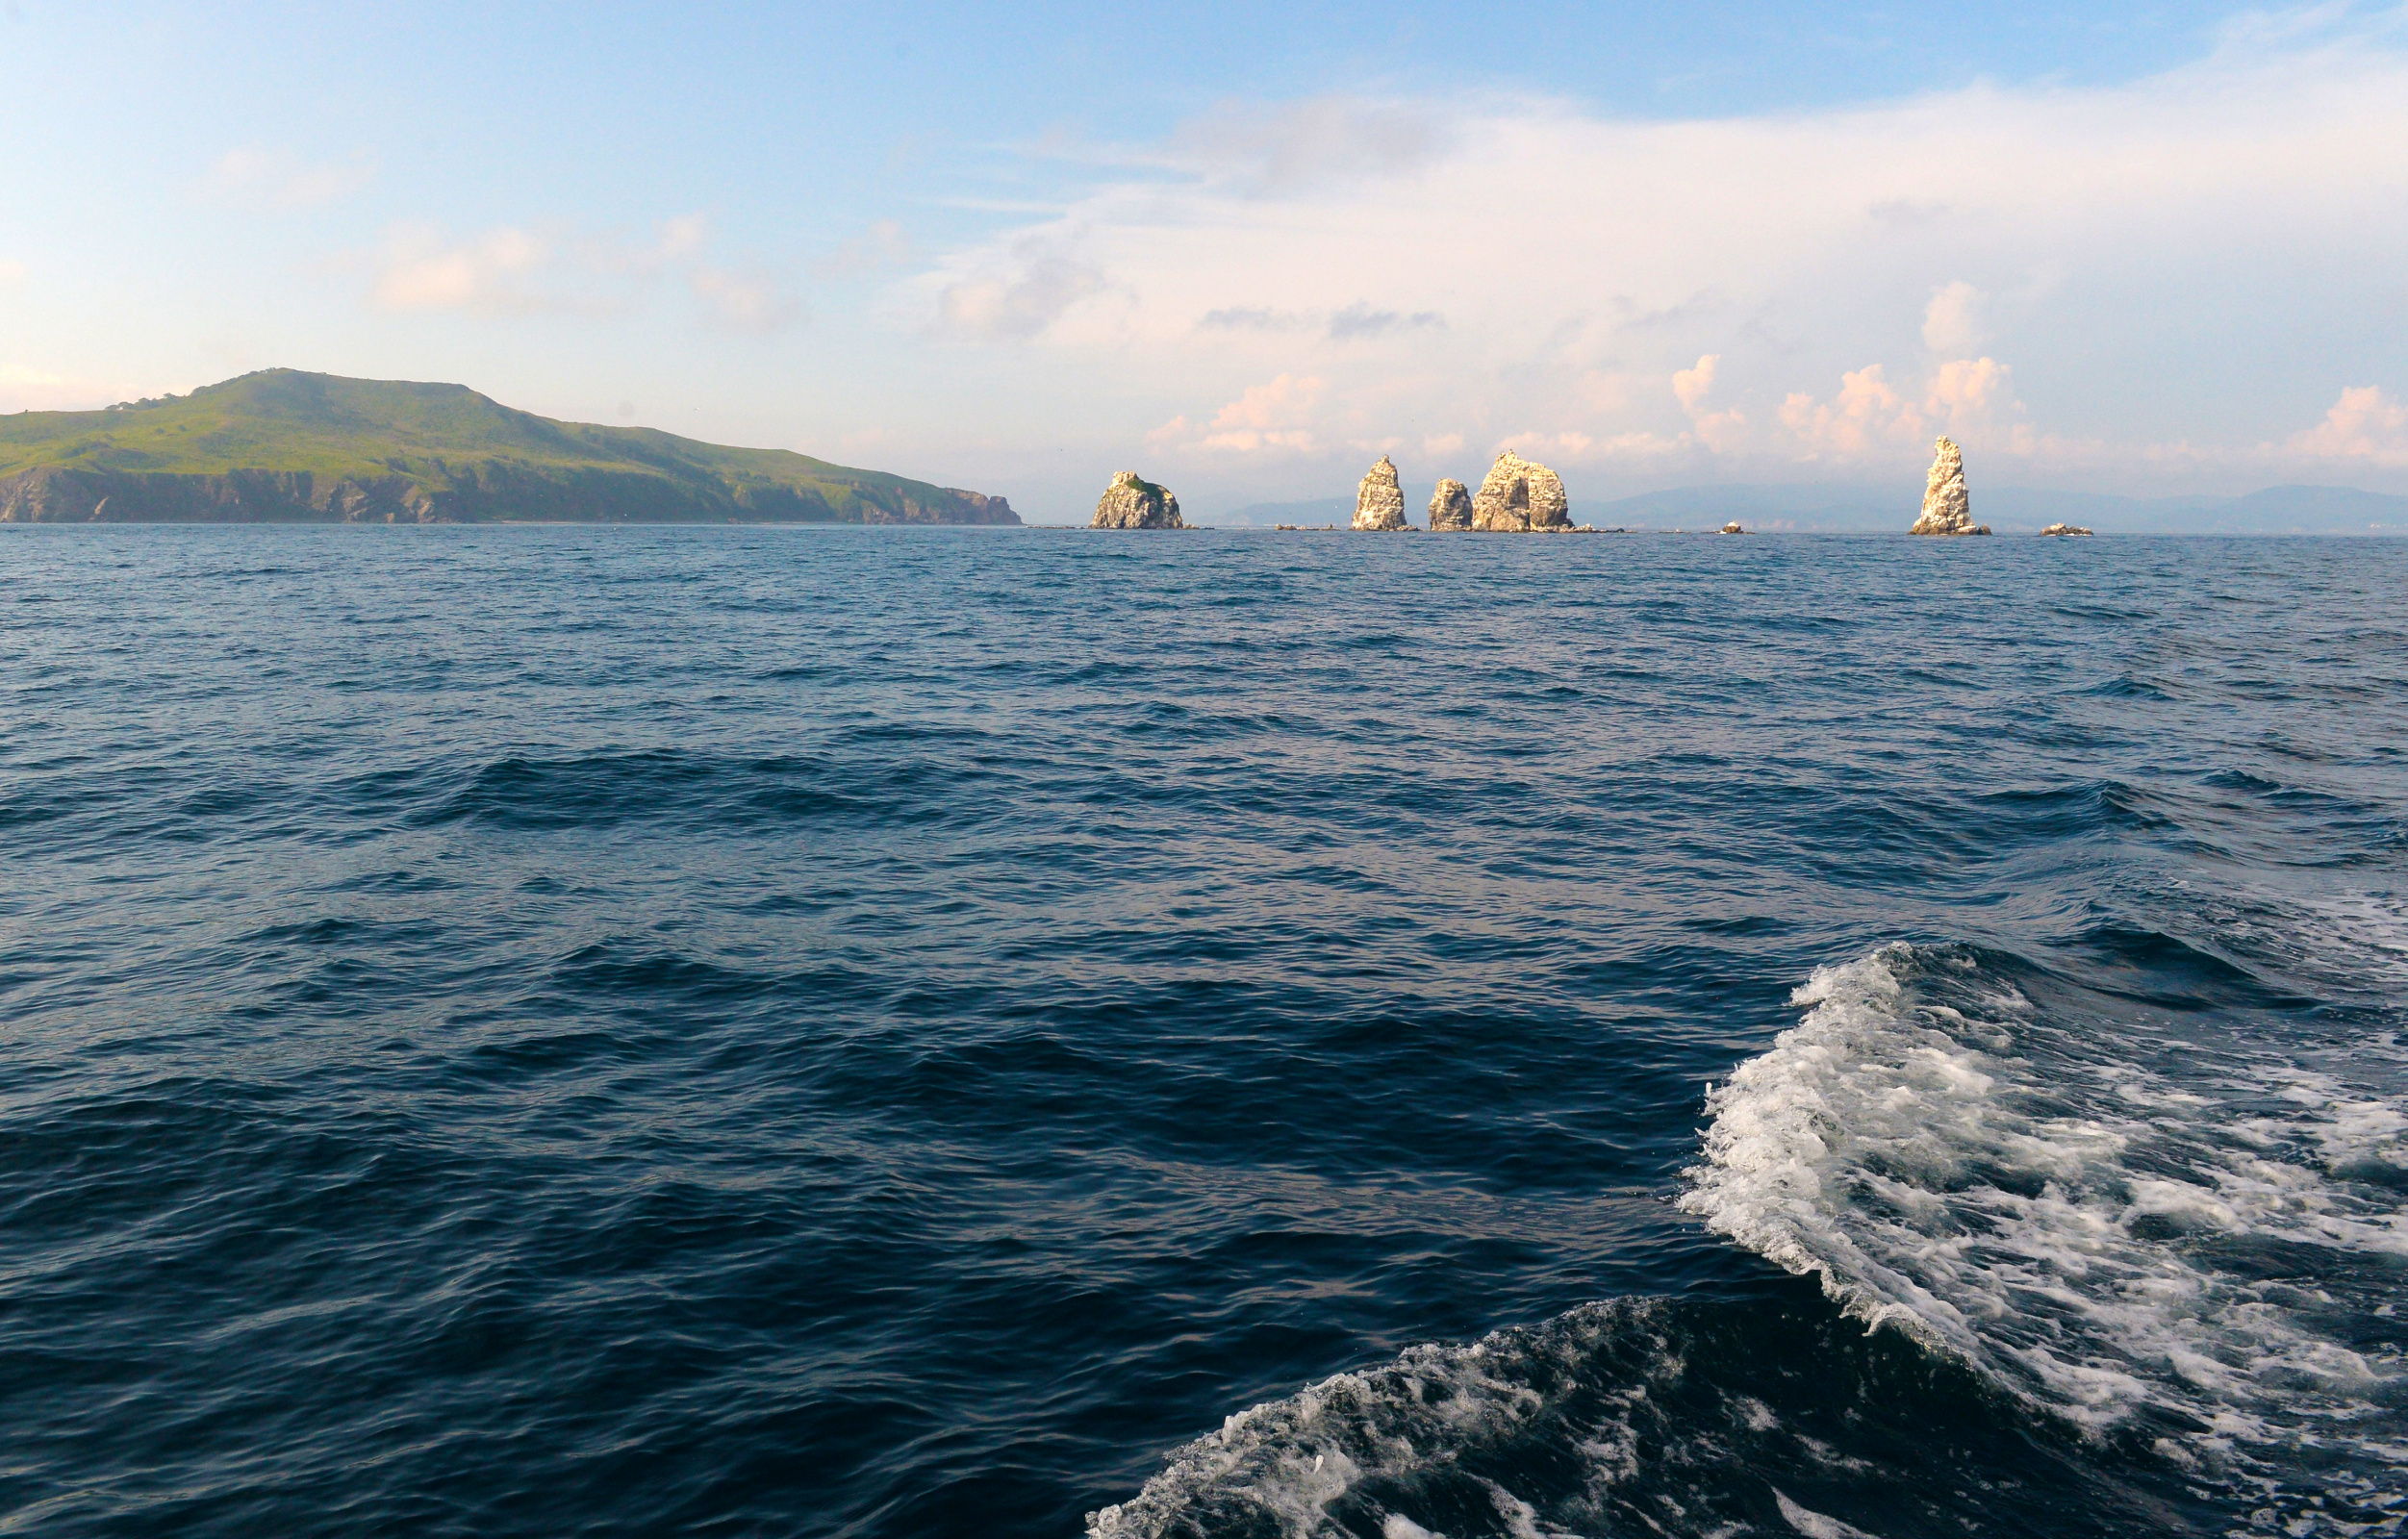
1947, 510
289, 446
1380, 501
1132, 502
1450, 506
1518, 496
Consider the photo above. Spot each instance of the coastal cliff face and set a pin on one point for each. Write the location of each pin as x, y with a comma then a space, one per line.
1520, 495
1132, 502
1450, 506
1380, 501
1947, 508
287, 446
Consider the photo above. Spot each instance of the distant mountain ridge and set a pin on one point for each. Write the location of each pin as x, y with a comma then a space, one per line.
285, 446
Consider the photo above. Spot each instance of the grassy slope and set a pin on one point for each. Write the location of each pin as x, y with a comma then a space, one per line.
432, 435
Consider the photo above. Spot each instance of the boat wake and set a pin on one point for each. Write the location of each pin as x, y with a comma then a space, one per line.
2084, 1274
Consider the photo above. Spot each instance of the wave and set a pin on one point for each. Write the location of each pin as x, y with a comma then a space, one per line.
2136, 1232
1657, 1416
2115, 1275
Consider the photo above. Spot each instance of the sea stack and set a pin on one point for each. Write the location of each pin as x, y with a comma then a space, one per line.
1379, 502
1450, 506
1520, 495
1132, 502
1946, 509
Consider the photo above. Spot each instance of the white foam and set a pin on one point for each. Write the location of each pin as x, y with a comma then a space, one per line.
2070, 1213
1290, 1459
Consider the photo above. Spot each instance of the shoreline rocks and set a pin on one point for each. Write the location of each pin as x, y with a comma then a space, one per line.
2062, 530
1450, 507
1132, 502
1520, 496
1380, 501
1947, 508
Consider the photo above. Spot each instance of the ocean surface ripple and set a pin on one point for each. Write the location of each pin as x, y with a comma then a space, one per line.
603, 1031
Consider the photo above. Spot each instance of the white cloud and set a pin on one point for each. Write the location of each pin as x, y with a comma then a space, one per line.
1276, 415
1952, 322
1721, 431
1866, 416
2364, 426
279, 178
883, 244
500, 270
753, 302
1971, 399
23, 388
1580, 264
12, 272
1021, 303
517, 269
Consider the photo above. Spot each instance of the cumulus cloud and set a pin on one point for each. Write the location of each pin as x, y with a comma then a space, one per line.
1720, 431
1970, 398
1276, 415
1866, 246
273, 177
2364, 426
1952, 323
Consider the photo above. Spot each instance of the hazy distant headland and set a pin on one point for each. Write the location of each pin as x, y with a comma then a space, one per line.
287, 446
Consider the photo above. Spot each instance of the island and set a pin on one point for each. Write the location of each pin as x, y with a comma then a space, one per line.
287, 446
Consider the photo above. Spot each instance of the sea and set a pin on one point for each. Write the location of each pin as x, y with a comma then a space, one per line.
867, 1033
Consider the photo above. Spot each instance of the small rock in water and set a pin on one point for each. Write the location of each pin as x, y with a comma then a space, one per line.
1946, 508
1450, 506
1520, 495
2064, 529
1379, 502
1132, 502
1733, 528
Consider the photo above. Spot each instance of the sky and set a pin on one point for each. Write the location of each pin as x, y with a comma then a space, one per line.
1246, 249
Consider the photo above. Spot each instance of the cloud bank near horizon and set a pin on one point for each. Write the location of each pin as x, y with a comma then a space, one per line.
2183, 279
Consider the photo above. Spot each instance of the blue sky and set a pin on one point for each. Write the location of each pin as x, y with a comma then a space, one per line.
1249, 249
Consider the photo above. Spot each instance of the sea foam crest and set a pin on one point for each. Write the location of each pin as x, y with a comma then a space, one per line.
1280, 1466
2104, 1235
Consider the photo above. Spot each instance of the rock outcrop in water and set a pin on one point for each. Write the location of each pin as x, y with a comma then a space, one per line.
1450, 506
1132, 502
2064, 529
1379, 502
1946, 508
1519, 496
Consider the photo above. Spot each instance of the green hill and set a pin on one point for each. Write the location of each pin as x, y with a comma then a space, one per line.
286, 445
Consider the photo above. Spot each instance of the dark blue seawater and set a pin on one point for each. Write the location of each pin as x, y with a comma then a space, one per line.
895, 1032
